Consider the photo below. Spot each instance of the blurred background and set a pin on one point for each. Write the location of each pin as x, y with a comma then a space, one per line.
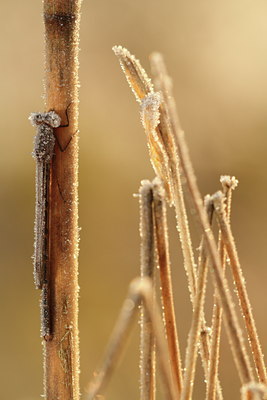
216, 54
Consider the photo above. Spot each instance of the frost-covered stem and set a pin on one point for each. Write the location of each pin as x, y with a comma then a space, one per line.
166, 129
239, 280
162, 243
61, 354
215, 339
178, 196
161, 346
195, 330
140, 289
205, 341
228, 184
147, 342
253, 391
180, 210
232, 325
163, 154
175, 183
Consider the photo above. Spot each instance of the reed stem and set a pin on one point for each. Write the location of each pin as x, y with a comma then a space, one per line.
147, 342
228, 184
198, 312
162, 244
232, 326
61, 354
240, 285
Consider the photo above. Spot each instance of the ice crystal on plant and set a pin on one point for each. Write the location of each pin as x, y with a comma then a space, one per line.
135, 74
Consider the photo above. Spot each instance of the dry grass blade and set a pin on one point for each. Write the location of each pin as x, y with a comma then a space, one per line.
140, 289
166, 165
150, 118
195, 330
147, 342
162, 150
232, 326
254, 391
168, 134
136, 75
162, 243
229, 184
239, 280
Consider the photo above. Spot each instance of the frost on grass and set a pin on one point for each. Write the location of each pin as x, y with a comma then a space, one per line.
150, 111
228, 182
135, 74
150, 118
151, 103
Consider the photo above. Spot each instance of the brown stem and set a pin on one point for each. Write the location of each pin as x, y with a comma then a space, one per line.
232, 326
195, 330
147, 342
163, 154
168, 134
61, 354
239, 280
161, 232
229, 184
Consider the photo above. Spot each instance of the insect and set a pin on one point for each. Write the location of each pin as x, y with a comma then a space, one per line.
44, 143
43, 151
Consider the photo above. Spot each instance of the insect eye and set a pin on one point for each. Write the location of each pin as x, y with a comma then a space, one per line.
36, 118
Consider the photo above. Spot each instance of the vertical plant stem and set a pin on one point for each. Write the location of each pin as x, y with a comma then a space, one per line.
164, 158
229, 184
163, 154
232, 326
161, 232
166, 128
204, 340
162, 349
61, 354
178, 199
195, 330
239, 280
147, 343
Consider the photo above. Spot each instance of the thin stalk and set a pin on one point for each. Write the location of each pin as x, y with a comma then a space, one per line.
239, 280
147, 342
162, 243
61, 354
161, 145
195, 330
205, 341
140, 289
232, 326
229, 184
163, 156
169, 135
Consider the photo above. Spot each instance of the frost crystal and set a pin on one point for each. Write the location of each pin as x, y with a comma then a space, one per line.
150, 111
150, 118
228, 182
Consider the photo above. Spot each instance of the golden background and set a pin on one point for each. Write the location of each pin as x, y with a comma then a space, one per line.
216, 53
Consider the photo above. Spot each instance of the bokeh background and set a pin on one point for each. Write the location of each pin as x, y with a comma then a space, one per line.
216, 54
